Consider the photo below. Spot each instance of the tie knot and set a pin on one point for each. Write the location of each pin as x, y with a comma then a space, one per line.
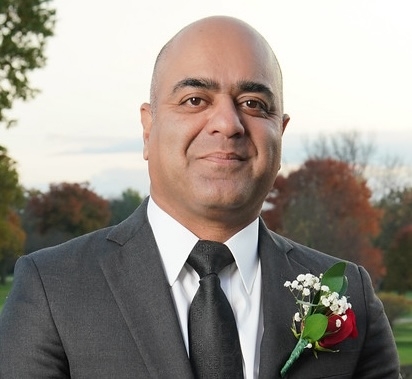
209, 257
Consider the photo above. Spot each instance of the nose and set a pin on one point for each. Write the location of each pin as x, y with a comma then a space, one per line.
225, 118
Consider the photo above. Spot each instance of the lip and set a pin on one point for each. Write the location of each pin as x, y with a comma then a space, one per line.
223, 157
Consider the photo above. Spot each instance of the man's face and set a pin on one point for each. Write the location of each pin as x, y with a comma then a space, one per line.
213, 139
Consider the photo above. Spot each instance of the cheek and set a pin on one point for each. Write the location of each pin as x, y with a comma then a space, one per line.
269, 147
169, 141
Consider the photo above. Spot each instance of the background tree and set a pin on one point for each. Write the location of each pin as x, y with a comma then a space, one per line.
396, 306
65, 211
11, 198
383, 175
122, 207
11, 242
25, 26
397, 213
399, 262
325, 205
347, 146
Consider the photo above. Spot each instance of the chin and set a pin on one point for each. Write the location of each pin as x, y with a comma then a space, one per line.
226, 203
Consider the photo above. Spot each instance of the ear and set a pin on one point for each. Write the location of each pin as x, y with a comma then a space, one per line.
286, 119
146, 120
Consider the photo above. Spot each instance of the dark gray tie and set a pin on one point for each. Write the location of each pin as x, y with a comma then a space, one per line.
214, 346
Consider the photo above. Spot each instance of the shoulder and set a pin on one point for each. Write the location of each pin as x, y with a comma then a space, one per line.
302, 259
82, 246
87, 249
311, 258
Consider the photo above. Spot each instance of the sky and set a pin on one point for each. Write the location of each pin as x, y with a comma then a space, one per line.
346, 67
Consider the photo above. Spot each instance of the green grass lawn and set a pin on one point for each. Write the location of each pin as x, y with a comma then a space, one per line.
4, 290
403, 337
402, 331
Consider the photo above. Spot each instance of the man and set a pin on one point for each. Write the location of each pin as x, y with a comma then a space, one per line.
115, 303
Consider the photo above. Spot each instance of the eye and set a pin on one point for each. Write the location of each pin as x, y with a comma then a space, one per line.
254, 104
254, 107
193, 104
194, 101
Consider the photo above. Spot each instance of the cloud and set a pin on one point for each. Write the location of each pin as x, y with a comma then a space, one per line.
388, 145
112, 182
124, 146
77, 145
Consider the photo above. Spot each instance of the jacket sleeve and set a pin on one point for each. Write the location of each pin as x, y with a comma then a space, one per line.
379, 357
30, 346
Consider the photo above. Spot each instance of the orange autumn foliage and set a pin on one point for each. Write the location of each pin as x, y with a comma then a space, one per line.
324, 205
69, 207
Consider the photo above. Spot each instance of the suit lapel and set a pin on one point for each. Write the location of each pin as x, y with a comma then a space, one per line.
135, 276
278, 305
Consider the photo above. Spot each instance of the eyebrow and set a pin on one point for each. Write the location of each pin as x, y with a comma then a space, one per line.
196, 83
242, 85
256, 87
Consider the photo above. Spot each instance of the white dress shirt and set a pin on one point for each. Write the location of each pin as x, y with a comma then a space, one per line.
241, 281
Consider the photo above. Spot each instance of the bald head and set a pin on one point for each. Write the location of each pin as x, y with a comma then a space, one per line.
213, 130
215, 32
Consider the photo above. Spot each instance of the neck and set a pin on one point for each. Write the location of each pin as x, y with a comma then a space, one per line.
214, 231
212, 225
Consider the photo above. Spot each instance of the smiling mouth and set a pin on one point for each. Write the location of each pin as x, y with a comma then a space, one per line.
223, 157
227, 161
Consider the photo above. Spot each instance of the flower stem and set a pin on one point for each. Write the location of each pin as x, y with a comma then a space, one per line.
297, 351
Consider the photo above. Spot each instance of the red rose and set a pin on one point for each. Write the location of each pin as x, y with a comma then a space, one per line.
339, 328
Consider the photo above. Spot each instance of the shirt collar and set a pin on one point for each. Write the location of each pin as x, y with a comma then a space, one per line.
175, 243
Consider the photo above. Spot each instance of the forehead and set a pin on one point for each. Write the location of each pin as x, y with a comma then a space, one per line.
226, 52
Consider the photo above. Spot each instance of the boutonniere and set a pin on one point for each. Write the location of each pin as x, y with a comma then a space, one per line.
324, 316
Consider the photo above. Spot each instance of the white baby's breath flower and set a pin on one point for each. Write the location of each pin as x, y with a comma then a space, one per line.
287, 284
324, 288
301, 278
334, 307
309, 346
306, 292
333, 300
334, 296
309, 277
316, 286
325, 301
297, 317
294, 284
343, 305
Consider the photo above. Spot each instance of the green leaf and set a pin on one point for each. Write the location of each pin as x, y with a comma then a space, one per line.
315, 327
316, 301
335, 278
344, 286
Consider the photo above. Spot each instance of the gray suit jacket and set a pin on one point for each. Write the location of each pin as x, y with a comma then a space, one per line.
100, 306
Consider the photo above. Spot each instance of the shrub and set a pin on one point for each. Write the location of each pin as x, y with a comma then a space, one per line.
395, 305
